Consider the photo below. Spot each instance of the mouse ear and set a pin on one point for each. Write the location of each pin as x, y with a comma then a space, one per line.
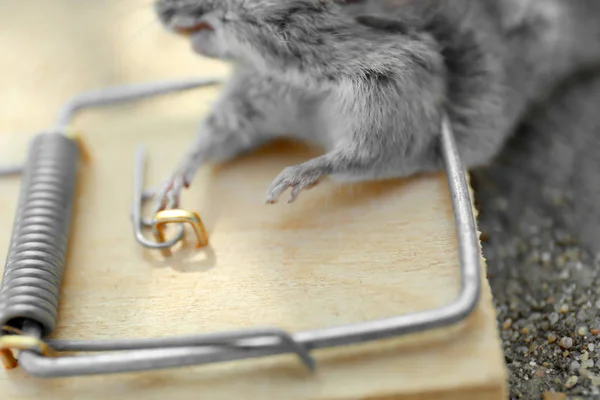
383, 23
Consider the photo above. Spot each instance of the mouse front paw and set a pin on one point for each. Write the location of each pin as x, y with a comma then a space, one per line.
298, 178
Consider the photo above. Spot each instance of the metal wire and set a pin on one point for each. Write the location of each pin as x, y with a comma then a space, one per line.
124, 93
8, 170
112, 96
138, 201
149, 354
36, 257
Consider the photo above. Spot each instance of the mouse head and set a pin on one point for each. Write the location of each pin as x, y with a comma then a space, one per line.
200, 20
226, 29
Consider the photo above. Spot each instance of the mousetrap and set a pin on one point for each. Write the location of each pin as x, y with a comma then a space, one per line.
37, 257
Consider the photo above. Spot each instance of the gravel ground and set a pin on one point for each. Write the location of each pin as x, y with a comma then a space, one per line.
547, 295
539, 213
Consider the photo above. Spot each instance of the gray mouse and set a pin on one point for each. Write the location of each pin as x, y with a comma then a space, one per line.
370, 80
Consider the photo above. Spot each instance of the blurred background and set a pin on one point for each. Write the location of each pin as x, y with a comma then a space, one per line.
539, 203
52, 50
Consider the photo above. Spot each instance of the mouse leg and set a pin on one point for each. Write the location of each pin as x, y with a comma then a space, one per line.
298, 178
212, 144
250, 112
344, 161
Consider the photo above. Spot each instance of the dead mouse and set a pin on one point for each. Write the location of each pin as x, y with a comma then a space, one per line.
370, 80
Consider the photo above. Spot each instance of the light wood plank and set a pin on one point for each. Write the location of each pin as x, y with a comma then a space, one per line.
341, 254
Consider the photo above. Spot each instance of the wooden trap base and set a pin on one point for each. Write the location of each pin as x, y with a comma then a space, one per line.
340, 254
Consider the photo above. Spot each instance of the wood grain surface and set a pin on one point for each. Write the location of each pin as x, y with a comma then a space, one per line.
341, 254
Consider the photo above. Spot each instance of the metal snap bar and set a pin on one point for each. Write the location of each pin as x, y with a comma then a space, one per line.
134, 354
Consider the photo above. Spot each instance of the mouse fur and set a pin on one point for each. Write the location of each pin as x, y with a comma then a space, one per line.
369, 81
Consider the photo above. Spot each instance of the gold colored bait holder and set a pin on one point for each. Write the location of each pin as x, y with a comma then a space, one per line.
165, 217
162, 218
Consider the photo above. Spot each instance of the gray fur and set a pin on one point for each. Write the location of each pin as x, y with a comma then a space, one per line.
549, 168
370, 80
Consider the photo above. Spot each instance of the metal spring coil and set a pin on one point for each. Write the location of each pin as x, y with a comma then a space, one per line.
36, 256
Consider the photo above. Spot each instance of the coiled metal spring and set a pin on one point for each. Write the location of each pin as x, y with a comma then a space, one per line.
36, 257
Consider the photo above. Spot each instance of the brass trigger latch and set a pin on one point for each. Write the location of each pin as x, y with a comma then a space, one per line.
162, 218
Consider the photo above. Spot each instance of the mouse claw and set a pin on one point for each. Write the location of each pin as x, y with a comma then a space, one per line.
168, 196
297, 178
295, 192
173, 196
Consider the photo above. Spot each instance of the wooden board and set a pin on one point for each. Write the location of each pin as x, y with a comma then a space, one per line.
341, 254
